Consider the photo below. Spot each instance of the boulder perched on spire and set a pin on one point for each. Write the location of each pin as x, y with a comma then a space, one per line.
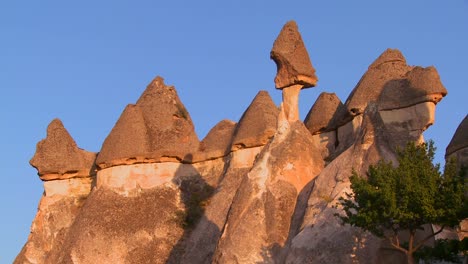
294, 69
157, 128
258, 123
58, 157
325, 114
292, 60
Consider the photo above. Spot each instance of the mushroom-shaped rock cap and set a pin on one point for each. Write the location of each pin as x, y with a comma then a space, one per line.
325, 113
417, 86
460, 138
157, 128
217, 142
389, 67
58, 157
292, 60
258, 123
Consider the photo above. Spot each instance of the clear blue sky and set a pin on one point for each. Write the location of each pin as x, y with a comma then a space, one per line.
84, 61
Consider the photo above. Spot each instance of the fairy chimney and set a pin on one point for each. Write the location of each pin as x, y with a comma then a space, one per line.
294, 68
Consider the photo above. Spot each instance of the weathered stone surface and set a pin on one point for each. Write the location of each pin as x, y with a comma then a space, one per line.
117, 229
203, 241
408, 124
58, 157
292, 60
258, 123
321, 238
393, 84
419, 85
388, 67
325, 114
460, 138
159, 128
260, 217
217, 142
60, 204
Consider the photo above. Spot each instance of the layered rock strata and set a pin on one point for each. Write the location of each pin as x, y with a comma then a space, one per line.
262, 190
68, 176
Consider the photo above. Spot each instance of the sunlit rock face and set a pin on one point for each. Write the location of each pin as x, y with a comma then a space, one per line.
259, 190
68, 176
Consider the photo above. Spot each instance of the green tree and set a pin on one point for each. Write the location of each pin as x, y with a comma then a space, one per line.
404, 198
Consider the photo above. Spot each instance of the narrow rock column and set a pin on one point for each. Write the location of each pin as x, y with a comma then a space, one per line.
291, 102
294, 69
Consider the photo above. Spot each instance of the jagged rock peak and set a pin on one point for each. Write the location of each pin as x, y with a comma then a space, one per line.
325, 114
158, 128
389, 55
292, 60
460, 138
58, 157
258, 123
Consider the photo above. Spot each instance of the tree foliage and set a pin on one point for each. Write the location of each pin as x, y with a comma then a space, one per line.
403, 198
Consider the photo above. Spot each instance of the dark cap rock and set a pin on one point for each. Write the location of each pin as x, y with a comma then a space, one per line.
292, 60
159, 126
58, 157
460, 138
217, 142
325, 114
417, 86
258, 123
388, 68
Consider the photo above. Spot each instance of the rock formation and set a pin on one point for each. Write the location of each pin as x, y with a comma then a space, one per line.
262, 190
458, 146
294, 69
458, 149
68, 176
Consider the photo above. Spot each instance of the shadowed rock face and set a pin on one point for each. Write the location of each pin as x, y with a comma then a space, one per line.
394, 84
258, 123
217, 142
460, 138
325, 113
157, 128
258, 191
292, 60
58, 157
389, 66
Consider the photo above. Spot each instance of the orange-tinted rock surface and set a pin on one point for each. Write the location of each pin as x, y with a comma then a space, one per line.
292, 59
58, 157
262, 190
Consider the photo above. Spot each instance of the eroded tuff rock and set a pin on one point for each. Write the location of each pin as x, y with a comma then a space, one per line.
321, 238
258, 123
141, 135
458, 149
459, 141
259, 191
58, 157
217, 142
291, 58
294, 69
68, 177
259, 219
388, 67
325, 113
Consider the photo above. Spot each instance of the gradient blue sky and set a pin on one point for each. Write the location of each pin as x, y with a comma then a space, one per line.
84, 61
